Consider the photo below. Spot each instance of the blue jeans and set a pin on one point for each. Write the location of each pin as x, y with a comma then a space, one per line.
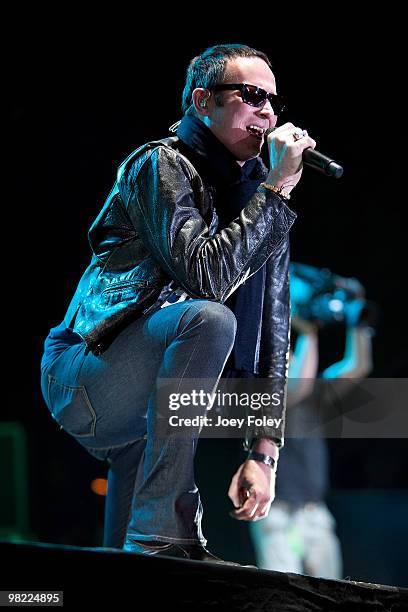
107, 403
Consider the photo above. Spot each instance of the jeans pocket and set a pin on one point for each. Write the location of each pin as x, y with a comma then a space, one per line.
71, 408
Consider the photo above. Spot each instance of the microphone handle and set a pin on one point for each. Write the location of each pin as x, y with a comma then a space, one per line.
321, 162
317, 160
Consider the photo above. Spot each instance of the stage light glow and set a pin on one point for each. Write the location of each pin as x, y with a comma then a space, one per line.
99, 486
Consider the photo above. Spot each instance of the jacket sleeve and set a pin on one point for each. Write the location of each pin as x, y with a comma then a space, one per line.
274, 349
162, 195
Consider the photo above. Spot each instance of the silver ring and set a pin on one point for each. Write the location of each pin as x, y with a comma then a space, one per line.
298, 134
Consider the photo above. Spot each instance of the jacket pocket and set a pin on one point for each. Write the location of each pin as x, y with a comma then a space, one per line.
71, 408
123, 292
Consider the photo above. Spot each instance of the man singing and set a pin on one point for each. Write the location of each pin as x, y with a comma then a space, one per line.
189, 267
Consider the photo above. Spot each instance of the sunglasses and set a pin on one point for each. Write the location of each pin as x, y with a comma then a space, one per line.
255, 96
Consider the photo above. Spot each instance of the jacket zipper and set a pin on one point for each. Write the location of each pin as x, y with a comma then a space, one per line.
123, 285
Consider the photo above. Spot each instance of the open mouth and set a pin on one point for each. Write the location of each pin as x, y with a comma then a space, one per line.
256, 130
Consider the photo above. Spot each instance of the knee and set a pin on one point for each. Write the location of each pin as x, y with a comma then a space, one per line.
217, 319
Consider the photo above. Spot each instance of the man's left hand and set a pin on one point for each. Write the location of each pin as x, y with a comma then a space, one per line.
252, 491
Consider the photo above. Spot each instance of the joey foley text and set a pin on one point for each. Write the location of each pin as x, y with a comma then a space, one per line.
204, 400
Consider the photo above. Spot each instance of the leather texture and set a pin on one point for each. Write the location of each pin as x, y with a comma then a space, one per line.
158, 225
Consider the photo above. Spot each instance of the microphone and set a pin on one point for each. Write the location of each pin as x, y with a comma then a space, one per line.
321, 162
318, 161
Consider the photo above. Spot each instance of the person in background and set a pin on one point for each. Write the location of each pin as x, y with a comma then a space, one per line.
299, 533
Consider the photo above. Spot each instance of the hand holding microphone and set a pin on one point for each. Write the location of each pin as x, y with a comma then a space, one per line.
310, 156
287, 144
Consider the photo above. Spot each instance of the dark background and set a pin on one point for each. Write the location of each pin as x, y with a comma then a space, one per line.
83, 96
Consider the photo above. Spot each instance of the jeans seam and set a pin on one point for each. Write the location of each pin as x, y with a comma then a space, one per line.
192, 352
112, 447
165, 538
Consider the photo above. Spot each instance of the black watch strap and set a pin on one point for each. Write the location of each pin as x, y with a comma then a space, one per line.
266, 459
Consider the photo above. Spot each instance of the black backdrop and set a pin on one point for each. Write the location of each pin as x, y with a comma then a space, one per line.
83, 96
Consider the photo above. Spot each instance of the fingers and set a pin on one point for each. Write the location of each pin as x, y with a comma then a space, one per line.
248, 509
288, 134
310, 143
263, 512
233, 491
252, 491
254, 508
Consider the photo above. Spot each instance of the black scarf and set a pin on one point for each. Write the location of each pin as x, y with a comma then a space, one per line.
233, 186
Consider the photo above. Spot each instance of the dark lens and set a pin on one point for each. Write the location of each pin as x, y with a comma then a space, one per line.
253, 95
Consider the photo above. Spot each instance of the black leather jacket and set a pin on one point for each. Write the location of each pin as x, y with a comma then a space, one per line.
158, 225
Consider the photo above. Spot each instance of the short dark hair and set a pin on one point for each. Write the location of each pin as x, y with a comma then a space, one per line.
208, 69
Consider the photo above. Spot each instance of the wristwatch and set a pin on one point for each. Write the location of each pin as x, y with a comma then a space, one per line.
266, 459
